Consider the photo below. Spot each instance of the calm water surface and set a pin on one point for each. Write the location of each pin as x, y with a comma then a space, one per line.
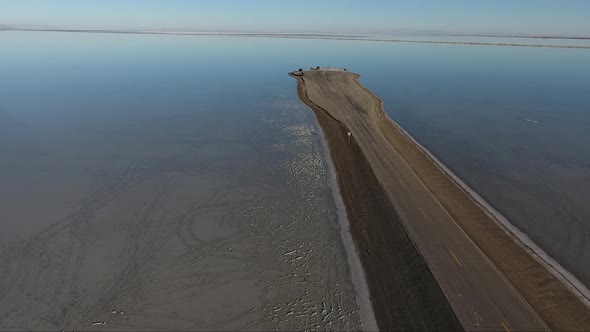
162, 183
161, 176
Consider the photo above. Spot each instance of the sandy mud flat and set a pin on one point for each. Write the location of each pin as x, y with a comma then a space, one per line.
490, 280
176, 221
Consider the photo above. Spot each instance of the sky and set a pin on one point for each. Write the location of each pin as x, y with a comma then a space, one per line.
538, 17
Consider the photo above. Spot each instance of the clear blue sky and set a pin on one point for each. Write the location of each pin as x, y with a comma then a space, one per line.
557, 17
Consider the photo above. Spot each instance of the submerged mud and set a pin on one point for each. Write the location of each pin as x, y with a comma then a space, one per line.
178, 222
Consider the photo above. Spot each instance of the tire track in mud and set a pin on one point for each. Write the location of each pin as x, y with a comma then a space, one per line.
79, 227
219, 247
20, 249
139, 251
136, 259
265, 209
75, 251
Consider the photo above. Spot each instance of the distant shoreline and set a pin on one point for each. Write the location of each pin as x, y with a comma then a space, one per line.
333, 37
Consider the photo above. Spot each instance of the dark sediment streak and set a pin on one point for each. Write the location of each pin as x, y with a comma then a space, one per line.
404, 293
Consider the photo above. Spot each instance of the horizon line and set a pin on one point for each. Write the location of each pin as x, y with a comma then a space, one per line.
350, 37
401, 31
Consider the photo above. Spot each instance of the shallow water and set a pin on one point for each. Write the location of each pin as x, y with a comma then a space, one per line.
164, 176
144, 189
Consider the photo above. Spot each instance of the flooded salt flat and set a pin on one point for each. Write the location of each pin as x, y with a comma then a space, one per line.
178, 179
164, 203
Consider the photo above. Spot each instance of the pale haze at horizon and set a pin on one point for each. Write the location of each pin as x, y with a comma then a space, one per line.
536, 17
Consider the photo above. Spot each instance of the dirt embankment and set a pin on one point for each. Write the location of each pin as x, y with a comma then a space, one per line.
550, 298
404, 293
